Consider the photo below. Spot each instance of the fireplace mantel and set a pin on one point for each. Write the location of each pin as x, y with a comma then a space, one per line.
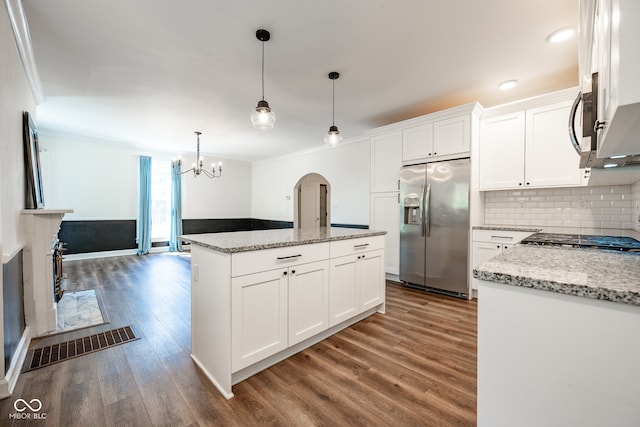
41, 228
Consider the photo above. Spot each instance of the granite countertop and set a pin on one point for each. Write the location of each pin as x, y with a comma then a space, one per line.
507, 228
243, 241
563, 230
591, 273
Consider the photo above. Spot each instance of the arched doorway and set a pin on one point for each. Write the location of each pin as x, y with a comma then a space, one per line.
311, 201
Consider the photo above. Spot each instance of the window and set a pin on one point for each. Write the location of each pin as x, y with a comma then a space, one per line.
160, 199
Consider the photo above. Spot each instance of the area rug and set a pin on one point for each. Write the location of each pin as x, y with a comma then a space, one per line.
80, 309
54, 353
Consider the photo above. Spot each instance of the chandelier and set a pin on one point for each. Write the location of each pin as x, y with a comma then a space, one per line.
198, 167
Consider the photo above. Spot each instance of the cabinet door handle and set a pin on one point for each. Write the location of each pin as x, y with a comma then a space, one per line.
364, 245
293, 272
280, 258
285, 273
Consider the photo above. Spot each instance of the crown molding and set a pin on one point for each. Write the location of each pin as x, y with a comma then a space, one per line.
25, 50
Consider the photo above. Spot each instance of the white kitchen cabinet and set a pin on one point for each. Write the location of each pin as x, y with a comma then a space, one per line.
385, 216
386, 161
488, 243
528, 149
372, 283
344, 298
308, 300
279, 298
275, 309
357, 277
417, 142
356, 284
452, 136
259, 317
437, 139
502, 151
550, 160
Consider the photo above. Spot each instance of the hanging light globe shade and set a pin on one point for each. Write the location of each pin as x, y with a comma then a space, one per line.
262, 117
333, 137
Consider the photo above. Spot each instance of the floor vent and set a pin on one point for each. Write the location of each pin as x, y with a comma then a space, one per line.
45, 356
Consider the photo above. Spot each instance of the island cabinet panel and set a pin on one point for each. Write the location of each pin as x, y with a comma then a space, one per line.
344, 289
259, 317
308, 300
372, 285
357, 284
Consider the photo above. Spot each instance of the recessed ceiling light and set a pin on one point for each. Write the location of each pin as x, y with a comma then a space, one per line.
617, 157
610, 165
561, 35
506, 85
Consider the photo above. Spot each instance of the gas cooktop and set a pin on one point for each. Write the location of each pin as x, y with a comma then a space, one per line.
619, 243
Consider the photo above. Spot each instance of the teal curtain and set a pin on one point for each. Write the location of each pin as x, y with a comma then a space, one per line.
143, 223
176, 207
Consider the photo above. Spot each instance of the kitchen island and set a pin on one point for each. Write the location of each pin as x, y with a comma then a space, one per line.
258, 297
558, 337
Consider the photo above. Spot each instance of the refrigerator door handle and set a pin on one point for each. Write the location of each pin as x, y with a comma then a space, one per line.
422, 229
427, 212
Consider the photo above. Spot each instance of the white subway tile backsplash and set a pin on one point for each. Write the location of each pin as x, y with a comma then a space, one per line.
616, 206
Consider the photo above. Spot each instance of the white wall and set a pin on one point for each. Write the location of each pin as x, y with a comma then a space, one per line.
15, 97
98, 180
345, 167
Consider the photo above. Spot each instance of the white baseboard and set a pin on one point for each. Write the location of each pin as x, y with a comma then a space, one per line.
393, 277
9, 383
106, 254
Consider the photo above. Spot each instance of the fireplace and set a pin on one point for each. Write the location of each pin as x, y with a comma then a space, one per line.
43, 278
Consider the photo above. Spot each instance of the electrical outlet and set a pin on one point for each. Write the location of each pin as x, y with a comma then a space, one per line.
521, 205
583, 204
195, 272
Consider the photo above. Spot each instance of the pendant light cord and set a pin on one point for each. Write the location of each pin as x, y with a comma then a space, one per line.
263, 70
333, 104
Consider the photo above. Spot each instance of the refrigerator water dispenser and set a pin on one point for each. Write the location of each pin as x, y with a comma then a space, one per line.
412, 210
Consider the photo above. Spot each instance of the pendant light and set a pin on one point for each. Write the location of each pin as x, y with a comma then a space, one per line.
333, 137
263, 117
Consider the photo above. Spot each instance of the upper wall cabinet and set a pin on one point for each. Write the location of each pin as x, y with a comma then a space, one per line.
386, 161
436, 140
528, 148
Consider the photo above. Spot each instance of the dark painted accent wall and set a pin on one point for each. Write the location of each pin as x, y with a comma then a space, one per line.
13, 307
98, 236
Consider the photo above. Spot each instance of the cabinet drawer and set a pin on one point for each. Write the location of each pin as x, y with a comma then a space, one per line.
500, 236
353, 246
269, 259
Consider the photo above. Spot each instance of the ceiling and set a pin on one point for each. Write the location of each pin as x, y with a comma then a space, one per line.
151, 72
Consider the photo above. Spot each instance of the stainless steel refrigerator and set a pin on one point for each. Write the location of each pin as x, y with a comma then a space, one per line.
434, 226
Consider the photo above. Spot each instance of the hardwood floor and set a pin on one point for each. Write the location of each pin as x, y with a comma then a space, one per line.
414, 365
